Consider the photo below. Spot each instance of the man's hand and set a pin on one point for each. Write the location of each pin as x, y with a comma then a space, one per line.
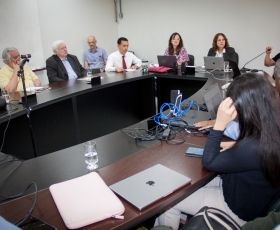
134, 67
226, 113
268, 49
119, 69
37, 83
15, 66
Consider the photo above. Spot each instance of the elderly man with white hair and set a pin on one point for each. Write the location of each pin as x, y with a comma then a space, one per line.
63, 66
9, 79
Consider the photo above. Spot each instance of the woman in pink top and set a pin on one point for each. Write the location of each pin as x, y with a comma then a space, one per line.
176, 47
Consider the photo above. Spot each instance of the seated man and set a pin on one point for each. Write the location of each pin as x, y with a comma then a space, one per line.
270, 61
121, 59
8, 74
63, 66
95, 57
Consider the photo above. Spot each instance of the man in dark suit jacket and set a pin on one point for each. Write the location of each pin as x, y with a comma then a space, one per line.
63, 66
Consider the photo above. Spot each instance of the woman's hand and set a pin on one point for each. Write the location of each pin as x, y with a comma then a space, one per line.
226, 113
205, 124
227, 145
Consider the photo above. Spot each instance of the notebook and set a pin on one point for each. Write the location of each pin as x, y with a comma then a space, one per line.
212, 98
150, 185
166, 61
214, 63
235, 68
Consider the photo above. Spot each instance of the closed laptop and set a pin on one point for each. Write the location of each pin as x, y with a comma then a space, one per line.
150, 185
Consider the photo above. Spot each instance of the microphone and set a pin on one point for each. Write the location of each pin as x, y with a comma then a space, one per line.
25, 56
244, 69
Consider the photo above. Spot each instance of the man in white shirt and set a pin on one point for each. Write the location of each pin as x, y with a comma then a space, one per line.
121, 59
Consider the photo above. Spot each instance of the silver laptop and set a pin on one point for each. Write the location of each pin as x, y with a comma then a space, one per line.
214, 63
166, 61
150, 185
212, 98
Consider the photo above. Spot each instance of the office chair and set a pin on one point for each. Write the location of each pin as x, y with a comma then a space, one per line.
191, 60
237, 58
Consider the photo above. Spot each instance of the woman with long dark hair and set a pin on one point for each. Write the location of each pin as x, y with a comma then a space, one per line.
176, 47
250, 168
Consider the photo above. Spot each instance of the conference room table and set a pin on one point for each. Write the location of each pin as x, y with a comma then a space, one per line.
71, 112
119, 157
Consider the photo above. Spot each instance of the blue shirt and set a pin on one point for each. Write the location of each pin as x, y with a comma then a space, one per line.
232, 130
96, 59
69, 69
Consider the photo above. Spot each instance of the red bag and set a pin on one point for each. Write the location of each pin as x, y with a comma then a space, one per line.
160, 69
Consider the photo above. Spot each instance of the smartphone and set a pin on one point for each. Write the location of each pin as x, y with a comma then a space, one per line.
194, 152
33, 222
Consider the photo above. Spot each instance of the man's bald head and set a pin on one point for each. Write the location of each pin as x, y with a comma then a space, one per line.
92, 42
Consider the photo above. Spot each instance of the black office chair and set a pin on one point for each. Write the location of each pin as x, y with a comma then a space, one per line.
237, 58
191, 60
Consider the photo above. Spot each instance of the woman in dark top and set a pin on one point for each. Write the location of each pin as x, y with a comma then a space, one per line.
250, 168
220, 48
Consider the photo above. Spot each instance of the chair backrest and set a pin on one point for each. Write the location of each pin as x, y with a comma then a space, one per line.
191, 60
237, 58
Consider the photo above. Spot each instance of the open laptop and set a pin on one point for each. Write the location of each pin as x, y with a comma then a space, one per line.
214, 62
166, 61
212, 98
150, 185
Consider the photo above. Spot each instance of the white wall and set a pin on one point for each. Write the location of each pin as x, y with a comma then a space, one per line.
32, 26
250, 26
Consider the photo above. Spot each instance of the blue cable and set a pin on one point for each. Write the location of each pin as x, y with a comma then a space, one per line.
173, 109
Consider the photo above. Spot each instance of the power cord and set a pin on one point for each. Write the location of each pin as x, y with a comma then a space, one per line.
33, 205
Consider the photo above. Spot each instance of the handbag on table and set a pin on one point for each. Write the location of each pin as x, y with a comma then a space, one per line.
160, 69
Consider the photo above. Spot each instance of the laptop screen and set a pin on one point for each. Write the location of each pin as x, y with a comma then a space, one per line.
166, 61
212, 98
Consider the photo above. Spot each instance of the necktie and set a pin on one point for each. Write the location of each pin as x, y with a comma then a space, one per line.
123, 63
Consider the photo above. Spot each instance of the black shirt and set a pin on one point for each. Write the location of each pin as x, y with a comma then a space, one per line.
246, 190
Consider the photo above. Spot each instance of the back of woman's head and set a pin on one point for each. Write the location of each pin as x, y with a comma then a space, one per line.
258, 108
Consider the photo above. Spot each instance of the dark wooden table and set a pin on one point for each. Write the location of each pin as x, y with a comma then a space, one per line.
172, 156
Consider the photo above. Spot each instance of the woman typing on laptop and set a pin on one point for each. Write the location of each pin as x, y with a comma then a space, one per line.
176, 47
250, 169
220, 48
